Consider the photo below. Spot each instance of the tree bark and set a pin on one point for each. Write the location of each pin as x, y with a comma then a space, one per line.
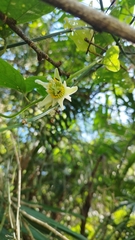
98, 20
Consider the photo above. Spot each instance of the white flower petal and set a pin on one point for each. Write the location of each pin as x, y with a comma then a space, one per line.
60, 101
47, 102
44, 84
68, 98
56, 74
52, 101
70, 90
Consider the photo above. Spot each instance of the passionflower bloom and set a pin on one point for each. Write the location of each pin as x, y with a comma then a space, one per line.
57, 91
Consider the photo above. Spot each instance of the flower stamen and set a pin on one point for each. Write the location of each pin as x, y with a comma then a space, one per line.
56, 89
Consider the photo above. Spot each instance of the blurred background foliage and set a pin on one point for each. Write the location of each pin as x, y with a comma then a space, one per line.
78, 167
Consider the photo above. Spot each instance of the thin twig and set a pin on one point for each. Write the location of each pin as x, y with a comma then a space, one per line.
88, 199
18, 190
53, 230
10, 212
94, 44
40, 54
27, 228
44, 225
112, 3
92, 37
133, 19
101, 5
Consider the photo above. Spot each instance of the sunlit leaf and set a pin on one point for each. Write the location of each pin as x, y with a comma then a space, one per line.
111, 60
79, 36
124, 10
119, 215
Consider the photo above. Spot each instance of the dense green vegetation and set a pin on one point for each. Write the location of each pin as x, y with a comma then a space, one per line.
68, 174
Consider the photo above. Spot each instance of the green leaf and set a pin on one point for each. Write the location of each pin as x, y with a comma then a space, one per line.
4, 233
130, 3
121, 77
124, 10
51, 222
23, 10
111, 60
10, 77
79, 35
5, 31
54, 209
76, 77
103, 39
35, 232
30, 84
127, 10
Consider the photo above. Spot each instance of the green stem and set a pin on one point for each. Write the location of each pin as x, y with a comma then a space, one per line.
46, 36
22, 110
76, 77
33, 119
